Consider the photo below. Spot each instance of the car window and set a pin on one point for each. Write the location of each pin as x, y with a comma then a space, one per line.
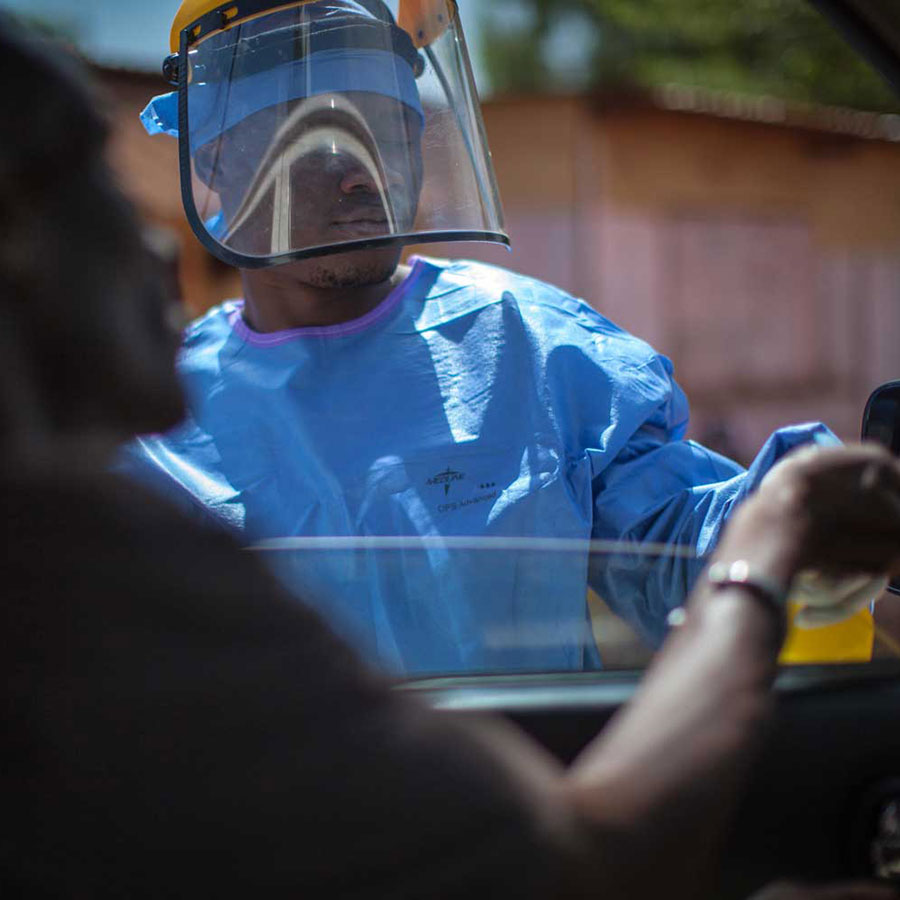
703, 200
460, 605
421, 607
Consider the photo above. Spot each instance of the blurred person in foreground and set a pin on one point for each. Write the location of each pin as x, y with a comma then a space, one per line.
174, 725
349, 395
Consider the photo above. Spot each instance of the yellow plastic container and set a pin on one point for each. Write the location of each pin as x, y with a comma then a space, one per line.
845, 642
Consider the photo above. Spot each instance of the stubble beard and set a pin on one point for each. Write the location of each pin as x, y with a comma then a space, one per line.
347, 271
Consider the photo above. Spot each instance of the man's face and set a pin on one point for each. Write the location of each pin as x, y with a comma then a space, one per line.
320, 172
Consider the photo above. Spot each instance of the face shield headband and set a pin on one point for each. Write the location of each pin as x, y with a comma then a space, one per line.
321, 127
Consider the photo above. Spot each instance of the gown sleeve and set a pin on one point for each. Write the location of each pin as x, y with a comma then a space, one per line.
650, 487
671, 495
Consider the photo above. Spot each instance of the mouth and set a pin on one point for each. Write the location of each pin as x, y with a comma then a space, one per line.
361, 225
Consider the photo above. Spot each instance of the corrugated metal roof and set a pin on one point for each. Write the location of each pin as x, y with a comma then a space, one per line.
773, 111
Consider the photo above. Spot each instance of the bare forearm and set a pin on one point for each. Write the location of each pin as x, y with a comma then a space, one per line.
675, 759
641, 809
661, 781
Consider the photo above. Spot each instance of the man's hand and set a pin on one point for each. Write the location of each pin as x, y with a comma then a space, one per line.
835, 510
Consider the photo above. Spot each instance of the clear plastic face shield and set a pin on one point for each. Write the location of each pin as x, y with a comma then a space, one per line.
321, 127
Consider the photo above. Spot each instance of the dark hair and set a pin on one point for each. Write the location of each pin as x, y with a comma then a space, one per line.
46, 94
83, 342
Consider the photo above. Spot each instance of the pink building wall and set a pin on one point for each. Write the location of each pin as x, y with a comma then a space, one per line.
762, 258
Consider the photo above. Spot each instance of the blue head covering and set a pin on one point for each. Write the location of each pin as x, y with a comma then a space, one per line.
216, 104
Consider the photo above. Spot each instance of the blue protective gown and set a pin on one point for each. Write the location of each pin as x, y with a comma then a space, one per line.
472, 401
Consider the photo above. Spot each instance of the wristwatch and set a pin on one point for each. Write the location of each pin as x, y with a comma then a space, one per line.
771, 592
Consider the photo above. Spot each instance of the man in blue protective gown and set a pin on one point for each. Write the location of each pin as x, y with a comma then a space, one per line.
347, 395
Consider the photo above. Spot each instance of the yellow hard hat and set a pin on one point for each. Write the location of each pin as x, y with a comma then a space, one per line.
188, 12
424, 20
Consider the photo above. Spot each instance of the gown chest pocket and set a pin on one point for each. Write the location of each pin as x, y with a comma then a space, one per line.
467, 488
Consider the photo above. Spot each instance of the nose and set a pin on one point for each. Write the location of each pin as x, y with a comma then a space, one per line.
357, 177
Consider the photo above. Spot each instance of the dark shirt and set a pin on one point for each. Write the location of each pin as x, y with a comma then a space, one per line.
176, 725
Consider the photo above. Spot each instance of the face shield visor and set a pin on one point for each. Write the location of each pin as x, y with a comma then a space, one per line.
329, 126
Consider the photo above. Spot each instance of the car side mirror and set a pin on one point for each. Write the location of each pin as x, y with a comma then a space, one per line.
881, 419
881, 422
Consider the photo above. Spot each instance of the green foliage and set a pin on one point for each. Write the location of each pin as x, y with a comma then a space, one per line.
777, 47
